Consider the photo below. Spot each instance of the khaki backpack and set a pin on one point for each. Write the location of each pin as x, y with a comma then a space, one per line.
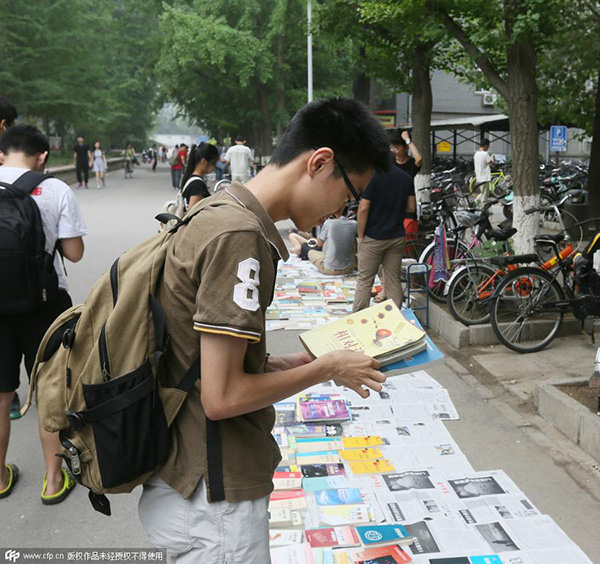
99, 380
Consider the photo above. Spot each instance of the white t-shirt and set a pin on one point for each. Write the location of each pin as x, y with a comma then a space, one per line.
482, 160
240, 159
61, 216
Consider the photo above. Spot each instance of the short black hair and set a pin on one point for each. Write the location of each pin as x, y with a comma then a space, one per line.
396, 137
240, 138
346, 125
485, 141
24, 138
7, 112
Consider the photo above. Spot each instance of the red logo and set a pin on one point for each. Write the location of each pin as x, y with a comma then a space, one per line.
37, 191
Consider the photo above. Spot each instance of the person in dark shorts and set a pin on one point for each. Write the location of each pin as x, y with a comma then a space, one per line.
202, 160
82, 157
26, 148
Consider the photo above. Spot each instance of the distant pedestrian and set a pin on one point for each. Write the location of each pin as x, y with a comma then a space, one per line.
178, 162
100, 166
154, 156
26, 149
201, 161
482, 161
400, 144
82, 159
128, 159
240, 159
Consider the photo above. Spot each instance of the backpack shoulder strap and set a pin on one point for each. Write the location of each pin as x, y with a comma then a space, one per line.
28, 181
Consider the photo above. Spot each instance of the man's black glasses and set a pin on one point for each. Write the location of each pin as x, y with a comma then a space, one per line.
349, 185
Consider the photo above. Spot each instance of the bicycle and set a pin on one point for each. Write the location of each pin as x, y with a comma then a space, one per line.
471, 287
529, 304
499, 185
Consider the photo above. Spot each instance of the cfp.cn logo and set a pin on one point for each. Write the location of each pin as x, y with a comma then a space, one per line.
12, 555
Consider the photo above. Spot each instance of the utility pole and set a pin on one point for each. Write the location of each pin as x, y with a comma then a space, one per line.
309, 50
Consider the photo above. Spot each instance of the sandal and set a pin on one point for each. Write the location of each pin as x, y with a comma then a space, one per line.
13, 478
58, 497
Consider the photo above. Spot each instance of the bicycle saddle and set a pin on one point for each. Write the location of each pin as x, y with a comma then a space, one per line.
557, 238
500, 235
517, 259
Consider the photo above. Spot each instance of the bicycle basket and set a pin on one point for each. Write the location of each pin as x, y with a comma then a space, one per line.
467, 218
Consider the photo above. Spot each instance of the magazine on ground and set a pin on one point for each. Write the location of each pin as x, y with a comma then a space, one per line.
381, 332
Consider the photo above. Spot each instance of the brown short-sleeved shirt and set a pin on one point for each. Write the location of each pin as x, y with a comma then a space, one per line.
219, 278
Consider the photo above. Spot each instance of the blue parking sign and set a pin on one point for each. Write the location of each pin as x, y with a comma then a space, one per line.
558, 138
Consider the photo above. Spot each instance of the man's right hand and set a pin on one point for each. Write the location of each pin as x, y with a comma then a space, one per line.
353, 370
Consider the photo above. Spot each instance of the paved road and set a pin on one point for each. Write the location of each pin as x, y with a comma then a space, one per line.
493, 433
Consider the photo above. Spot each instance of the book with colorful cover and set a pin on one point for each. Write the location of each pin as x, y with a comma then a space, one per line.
285, 537
285, 413
322, 470
322, 408
309, 430
336, 515
332, 537
342, 496
362, 442
380, 535
354, 454
325, 483
287, 480
381, 332
371, 466
311, 458
381, 555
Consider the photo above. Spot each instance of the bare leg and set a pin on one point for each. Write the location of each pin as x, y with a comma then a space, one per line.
5, 399
51, 446
296, 241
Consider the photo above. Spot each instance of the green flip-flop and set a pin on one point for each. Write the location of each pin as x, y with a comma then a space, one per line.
13, 478
58, 497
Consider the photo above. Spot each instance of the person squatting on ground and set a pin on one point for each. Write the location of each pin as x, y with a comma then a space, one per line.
240, 159
338, 239
100, 166
82, 159
208, 503
381, 234
25, 148
202, 160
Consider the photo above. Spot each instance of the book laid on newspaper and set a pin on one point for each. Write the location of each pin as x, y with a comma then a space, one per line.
381, 332
322, 408
334, 537
381, 555
380, 535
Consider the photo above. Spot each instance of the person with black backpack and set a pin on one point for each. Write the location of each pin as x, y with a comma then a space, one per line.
40, 221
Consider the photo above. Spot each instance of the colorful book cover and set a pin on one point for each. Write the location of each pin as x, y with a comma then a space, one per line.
327, 457
315, 431
341, 496
378, 330
371, 466
361, 454
332, 537
285, 413
322, 470
325, 483
361, 442
346, 514
382, 555
323, 408
384, 534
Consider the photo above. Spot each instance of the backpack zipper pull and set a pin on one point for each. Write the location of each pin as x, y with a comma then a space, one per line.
75, 460
44, 295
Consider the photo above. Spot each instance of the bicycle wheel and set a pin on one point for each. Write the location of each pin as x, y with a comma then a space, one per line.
522, 315
456, 250
470, 292
221, 185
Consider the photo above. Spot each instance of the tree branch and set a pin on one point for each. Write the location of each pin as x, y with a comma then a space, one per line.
478, 56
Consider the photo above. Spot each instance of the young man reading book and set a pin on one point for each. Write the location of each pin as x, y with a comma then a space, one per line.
209, 501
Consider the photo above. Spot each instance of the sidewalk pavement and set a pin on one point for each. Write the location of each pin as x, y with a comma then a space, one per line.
498, 429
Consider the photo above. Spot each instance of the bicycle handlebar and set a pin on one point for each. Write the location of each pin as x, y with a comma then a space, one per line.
572, 194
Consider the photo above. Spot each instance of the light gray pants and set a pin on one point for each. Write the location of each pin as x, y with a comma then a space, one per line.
373, 253
195, 531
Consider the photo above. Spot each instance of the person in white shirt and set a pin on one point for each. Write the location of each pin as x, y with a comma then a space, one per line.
240, 159
482, 161
25, 148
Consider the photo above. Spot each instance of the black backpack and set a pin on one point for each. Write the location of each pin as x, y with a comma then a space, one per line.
28, 277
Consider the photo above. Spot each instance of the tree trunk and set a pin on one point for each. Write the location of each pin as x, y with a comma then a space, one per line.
47, 125
593, 184
361, 88
281, 90
265, 147
421, 117
522, 106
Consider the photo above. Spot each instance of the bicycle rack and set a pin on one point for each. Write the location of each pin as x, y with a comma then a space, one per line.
414, 268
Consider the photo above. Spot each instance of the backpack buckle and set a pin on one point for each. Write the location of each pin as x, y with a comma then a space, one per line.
76, 420
68, 338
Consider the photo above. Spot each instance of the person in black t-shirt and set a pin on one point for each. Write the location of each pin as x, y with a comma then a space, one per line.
383, 206
400, 144
82, 157
202, 160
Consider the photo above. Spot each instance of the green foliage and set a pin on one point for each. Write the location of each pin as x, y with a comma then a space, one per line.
219, 62
81, 66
